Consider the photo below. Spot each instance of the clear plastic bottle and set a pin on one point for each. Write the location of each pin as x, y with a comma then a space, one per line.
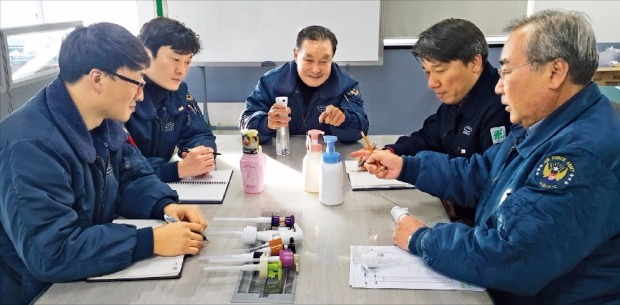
282, 134
311, 168
252, 163
330, 181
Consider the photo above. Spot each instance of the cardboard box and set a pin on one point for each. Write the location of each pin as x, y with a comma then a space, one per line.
607, 76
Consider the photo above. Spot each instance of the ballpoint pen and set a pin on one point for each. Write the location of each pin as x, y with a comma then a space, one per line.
170, 219
185, 149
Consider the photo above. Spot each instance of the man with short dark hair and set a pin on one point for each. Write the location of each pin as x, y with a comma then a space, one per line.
169, 117
471, 118
68, 171
547, 229
320, 94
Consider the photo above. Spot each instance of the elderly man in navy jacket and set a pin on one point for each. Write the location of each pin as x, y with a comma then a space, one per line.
320, 94
68, 171
547, 229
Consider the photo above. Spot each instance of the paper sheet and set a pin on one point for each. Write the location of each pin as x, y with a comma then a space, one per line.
406, 271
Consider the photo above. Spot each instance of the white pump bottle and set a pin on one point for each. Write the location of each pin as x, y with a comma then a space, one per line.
330, 181
312, 161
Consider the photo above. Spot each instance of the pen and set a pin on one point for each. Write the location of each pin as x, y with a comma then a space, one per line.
170, 219
185, 149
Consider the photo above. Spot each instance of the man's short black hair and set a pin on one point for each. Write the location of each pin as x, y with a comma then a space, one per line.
451, 39
316, 33
104, 46
164, 31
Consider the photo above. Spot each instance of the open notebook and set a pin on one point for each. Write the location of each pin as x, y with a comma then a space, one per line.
156, 267
361, 180
209, 188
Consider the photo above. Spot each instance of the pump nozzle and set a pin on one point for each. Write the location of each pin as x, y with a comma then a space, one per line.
312, 140
330, 155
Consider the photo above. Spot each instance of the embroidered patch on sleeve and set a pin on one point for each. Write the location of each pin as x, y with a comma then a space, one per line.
498, 134
189, 97
555, 172
355, 91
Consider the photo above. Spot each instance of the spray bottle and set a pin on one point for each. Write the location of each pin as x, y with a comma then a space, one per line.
330, 181
252, 162
312, 161
282, 133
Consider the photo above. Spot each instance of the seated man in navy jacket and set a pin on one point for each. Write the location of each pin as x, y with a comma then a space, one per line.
169, 117
547, 228
471, 118
68, 171
320, 94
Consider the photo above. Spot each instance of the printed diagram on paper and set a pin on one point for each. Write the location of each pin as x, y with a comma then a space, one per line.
391, 267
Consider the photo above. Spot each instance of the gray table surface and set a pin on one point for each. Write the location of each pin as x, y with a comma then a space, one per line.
329, 231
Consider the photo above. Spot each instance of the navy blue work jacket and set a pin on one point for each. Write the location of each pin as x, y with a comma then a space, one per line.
547, 228
340, 90
60, 188
462, 130
174, 122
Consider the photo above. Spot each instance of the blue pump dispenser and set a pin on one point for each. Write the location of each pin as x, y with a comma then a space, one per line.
330, 155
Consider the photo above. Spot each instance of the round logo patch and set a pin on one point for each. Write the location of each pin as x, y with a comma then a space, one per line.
555, 172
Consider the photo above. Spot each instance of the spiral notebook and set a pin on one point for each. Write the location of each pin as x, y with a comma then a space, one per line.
209, 188
155, 267
361, 180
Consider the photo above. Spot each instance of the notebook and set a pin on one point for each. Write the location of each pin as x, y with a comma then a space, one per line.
361, 180
209, 188
156, 267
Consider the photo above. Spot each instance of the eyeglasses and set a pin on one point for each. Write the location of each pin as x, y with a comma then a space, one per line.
129, 80
507, 70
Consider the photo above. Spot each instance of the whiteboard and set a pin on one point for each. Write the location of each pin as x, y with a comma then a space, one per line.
259, 31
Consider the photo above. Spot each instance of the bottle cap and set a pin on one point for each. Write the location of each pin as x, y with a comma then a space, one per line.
249, 141
312, 140
330, 155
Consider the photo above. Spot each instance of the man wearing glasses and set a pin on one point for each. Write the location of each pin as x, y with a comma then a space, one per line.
547, 229
453, 53
68, 171
169, 118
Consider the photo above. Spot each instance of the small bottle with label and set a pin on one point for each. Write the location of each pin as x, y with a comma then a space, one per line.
311, 168
330, 181
282, 133
252, 163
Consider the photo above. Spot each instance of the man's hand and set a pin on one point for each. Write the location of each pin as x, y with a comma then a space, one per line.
363, 153
177, 238
407, 225
332, 116
187, 213
278, 116
198, 161
390, 164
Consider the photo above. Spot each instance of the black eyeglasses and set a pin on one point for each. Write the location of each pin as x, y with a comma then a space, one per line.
129, 80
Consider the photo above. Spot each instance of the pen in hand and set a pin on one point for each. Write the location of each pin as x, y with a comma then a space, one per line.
170, 219
369, 147
185, 149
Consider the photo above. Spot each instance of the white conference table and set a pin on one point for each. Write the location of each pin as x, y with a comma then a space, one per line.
329, 231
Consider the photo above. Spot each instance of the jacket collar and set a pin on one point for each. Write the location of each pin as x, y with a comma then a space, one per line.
286, 82
559, 118
66, 115
146, 108
480, 91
